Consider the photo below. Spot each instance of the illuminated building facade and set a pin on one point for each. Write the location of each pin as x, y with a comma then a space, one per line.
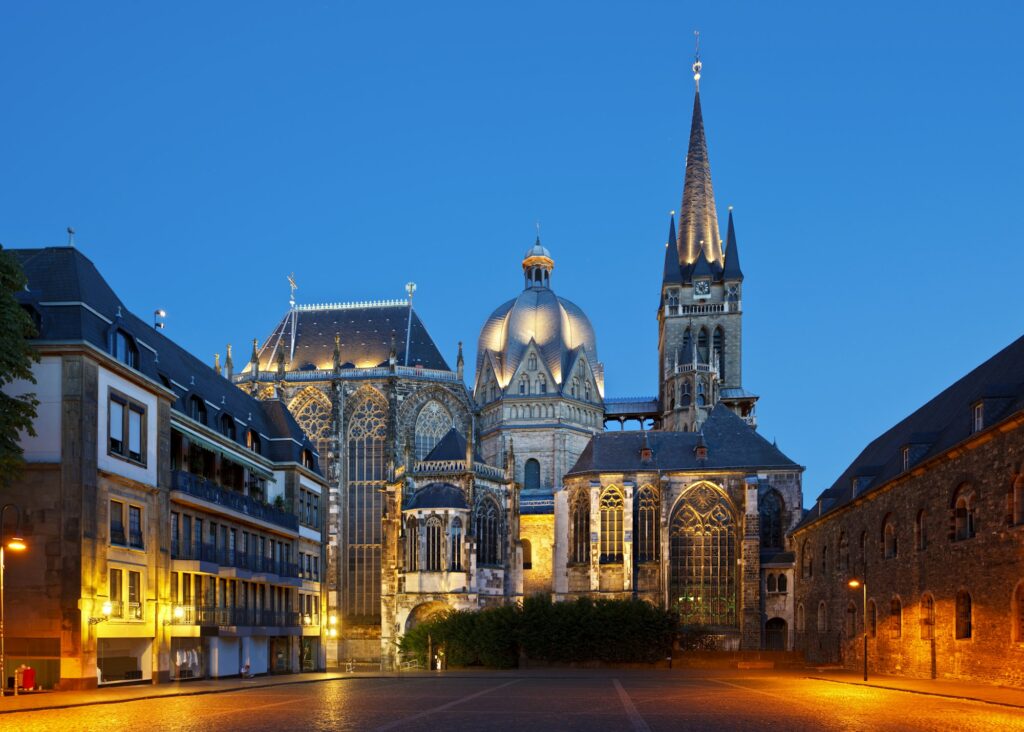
930, 516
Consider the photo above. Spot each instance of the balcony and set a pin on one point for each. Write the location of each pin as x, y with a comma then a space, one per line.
234, 616
207, 490
238, 560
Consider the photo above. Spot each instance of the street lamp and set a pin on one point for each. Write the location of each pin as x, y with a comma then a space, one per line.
15, 544
854, 584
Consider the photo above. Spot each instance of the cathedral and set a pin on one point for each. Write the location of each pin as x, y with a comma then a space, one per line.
445, 495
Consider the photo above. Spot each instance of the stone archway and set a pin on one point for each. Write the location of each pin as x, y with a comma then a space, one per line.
423, 612
776, 635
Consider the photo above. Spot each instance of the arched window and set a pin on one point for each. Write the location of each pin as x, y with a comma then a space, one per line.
895, 618
542, 385
770, 509
807, 560
890, 547
527, 554
580, 518
252, 441
432, 423
363, 506
197, 408
702, 557
412, 545
824, 561
646, 532
435, 547
575, 388
851, 620
963, 513
687, 343
800, 621
718, 343
487, 522
125, 350
822, 617
1018, 500
844, 552
783, 583
456, 544
702, 345
531, 363
524, 385
964, 624
227, 426
586, 390
611, 525
927, 617
684, 399
921, 531
771, 584
700, 394
531, 474
312, 410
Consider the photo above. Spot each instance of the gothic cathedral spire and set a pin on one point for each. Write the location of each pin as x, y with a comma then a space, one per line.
698, 220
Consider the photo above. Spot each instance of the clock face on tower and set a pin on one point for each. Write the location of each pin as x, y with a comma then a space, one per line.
701, 288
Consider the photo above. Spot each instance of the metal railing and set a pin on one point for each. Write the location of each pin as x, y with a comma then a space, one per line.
239, 560
200, 487
235, 616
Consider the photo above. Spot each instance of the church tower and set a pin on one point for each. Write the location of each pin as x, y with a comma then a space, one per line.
700, 316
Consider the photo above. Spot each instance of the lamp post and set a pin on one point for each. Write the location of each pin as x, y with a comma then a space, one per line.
15, 544
854, 584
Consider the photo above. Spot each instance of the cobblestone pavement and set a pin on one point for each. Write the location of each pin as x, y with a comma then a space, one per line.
539, 700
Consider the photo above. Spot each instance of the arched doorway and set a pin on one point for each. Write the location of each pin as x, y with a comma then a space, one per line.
775, 635
423, 612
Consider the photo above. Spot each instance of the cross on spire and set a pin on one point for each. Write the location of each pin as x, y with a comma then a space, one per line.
293, 287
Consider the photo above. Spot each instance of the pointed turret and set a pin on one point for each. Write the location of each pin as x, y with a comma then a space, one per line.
697, 218
672, 273
732, 269
701, 267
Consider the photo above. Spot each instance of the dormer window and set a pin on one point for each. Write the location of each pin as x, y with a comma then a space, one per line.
978, 417
125, 350
197, 408
252, 441
227, 426
906, 458
307, 459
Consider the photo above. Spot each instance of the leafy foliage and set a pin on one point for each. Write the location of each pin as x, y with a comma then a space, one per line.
17, 411
611, 631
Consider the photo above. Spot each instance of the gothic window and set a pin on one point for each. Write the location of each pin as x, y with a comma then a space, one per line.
718, 343
687, 343
673, 299
586, 390
851, 620
771, 584
927, 617
921, 530
822, 617
312, 410
363, 507
895, 618
964, 627
770, 508
800, 621
531, 363
527, 554
824, 561
412, 545
890, 545
435, 547
432, 423
685, 398
487, 523
456, 544
524, 385
575, 388
702, 345
531, 474
646, 532
1018, 500
963, 513
611, 505
580, 519
783, 583
807, 560
700, 394
702, 556
844, 552
542, 385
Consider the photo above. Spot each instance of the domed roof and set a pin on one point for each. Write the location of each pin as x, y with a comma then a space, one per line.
558, 326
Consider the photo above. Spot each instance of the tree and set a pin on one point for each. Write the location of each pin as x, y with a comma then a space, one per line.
17, 411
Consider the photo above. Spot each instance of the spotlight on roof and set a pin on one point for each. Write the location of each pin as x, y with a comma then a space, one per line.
158, 319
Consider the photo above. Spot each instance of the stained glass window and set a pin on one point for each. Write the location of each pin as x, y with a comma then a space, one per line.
702, 571
646, 532
361, 573
611, 525
432, 423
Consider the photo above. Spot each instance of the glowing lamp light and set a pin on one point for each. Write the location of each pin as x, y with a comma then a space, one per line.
179, 612
307, 619
854, 583
107, 608
17, 544
333, 620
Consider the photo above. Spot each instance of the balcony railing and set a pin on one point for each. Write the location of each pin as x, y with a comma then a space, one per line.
236, 559
125, 610
200, 487
234, 616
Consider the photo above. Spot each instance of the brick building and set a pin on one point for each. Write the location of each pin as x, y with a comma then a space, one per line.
931, 516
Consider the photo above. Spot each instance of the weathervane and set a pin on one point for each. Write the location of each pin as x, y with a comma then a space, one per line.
293, 287
696, 58
410, 288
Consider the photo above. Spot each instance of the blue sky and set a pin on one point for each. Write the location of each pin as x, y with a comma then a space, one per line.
873, 155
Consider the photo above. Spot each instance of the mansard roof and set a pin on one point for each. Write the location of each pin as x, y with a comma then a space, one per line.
366, 330
77, 304
938, 425
732, 445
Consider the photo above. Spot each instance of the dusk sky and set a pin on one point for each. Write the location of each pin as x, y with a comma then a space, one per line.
874, 156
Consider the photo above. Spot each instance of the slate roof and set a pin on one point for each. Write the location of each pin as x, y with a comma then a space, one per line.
934, 428
366, 331
452, 447
731, 442
68, 291
436, 495
732, 270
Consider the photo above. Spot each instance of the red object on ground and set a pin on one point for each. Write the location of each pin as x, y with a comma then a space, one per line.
28, 678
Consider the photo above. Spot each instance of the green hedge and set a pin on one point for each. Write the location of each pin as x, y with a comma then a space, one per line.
612, 631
